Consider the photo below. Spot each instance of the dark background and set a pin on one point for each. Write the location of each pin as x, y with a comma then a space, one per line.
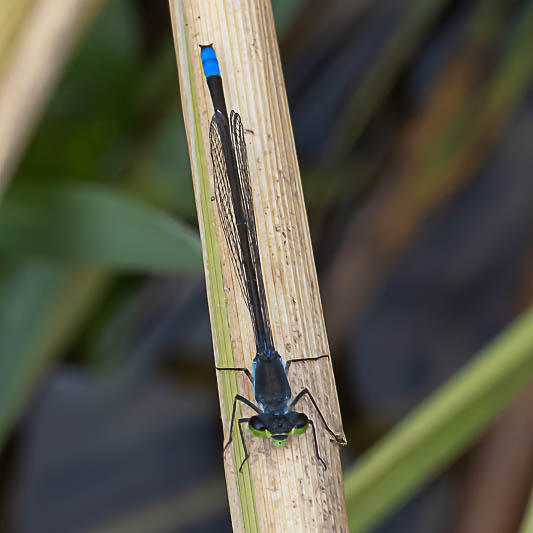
414, 126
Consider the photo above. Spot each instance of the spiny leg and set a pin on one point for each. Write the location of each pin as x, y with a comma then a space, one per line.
245, 370
316, 445
246, 401
300, 396
288, 363
246, 454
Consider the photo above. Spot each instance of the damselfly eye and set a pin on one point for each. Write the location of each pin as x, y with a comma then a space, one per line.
256, 424
301, 421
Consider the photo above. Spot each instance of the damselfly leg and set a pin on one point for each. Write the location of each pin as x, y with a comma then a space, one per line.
299, 396
287, 366
246, 454
302, 360
245, 370
246, 401
316, 445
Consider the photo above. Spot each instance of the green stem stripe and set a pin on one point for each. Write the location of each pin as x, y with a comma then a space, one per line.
212, 262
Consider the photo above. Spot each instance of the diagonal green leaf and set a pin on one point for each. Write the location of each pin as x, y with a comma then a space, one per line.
96, 225
441, 428
527, 523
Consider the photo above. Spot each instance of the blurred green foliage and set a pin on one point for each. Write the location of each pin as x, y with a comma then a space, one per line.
97, 225
434, 434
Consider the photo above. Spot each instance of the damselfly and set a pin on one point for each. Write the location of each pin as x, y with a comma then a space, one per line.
276, 418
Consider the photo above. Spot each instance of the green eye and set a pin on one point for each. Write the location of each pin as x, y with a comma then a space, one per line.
300, 430
258, 432
257, 427
300, 424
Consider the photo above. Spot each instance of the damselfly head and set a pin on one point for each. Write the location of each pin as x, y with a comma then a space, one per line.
277, 428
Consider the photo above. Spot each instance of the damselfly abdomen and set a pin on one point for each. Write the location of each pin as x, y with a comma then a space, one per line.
275, 416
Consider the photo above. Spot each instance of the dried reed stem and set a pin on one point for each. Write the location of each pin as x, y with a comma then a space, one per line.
280, 489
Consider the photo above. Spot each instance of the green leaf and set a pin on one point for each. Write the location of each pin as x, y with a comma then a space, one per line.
96, 225
439, 430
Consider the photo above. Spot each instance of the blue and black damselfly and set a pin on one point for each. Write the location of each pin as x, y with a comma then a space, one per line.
276, 418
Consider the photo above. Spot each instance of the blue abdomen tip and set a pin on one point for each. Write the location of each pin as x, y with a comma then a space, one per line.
209, 62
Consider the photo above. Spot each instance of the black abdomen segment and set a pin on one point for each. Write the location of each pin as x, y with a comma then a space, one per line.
235, 203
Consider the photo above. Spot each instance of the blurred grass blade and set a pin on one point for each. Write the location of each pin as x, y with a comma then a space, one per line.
37, 39
527, 524
96, 225
401, 45
41, 306
441, 428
